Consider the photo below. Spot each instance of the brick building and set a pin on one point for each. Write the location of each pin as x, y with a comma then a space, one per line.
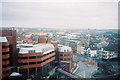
4, 58
11, 37
65, 57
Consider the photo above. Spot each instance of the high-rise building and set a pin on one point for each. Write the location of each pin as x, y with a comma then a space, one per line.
4, 58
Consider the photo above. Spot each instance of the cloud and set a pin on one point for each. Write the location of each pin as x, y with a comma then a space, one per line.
60, 14
59, 0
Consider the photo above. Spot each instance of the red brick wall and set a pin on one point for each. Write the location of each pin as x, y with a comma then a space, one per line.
11, 37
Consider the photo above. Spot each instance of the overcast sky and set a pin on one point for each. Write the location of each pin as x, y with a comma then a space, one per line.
61, 14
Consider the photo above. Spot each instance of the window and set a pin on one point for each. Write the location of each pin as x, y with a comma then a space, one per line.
6, 59
22, 63
6, 46
61, 55
65, 59
6, 65
65, 55
110, 56
39, 56
68, 59
64, 50
67, 50
48, 53
105, 56
39, 62
22, 57
31, 51
32, 57
4, 53
68, 54
5, 72
61, 59
32, 63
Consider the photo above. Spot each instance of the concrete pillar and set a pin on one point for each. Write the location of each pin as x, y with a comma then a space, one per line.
36, 71
28, 72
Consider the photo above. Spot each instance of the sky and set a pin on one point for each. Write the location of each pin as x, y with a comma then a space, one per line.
74, 14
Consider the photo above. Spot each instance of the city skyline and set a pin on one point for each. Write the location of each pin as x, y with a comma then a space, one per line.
73, 14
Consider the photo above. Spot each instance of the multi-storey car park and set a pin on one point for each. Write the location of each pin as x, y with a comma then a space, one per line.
65, 57
36, 60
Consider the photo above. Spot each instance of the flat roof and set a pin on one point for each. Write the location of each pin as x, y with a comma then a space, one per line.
36, 48
62, 48
3, 39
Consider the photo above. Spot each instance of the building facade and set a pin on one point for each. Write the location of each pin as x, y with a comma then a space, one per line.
109, 54
5, 58
36, 60
65, 57
44, 40
11, 37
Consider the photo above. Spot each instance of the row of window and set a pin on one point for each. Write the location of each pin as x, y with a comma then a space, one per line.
5, 72
107, 56
5, 59
48, 58
6, 46
68, 59
65, 54
45, 54
37, 62
4, 53
31, 51
22, 57
33, 57
5, 65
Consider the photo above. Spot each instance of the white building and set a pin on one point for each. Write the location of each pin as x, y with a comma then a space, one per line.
108, 54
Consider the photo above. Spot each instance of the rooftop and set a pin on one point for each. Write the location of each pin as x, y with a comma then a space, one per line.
3, 39
62, 48
25, 48
15, 74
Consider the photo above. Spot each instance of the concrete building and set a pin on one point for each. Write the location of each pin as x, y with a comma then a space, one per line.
44, 40
79, 47
110, 51
4, 58
82, 50
65, 53
76, 46
36, 60
106, 54
65, 57
91, 52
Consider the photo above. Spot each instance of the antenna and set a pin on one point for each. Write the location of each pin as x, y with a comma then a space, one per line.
88, 36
